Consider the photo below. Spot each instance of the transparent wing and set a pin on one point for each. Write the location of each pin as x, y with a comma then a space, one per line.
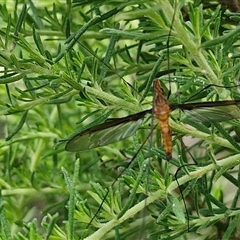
89, 139
210, 111
220, 114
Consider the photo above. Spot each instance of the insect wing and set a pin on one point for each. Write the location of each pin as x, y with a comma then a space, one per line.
219, 114
89, 140
211, 111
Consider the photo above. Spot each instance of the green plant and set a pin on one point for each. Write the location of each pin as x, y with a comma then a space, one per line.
88, 60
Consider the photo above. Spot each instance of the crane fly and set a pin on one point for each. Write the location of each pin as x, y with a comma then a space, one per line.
117, 129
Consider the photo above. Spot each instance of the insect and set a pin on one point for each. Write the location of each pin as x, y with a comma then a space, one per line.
121, 128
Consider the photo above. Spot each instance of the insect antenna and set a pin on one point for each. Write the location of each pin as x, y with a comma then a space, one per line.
186, 171
168, 48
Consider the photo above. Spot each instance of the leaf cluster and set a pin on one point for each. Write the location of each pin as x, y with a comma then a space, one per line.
83, 61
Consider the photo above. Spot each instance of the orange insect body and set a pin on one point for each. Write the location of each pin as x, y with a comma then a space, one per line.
162, 112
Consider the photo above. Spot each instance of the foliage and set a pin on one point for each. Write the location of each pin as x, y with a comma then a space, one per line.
83, 61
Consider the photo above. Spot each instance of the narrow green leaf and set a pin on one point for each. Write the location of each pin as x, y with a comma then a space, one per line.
4, 221
231, 227
38, 41
20, 20
18, 127
177, 209
10, 78
107, 57
226, 135
222, 39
